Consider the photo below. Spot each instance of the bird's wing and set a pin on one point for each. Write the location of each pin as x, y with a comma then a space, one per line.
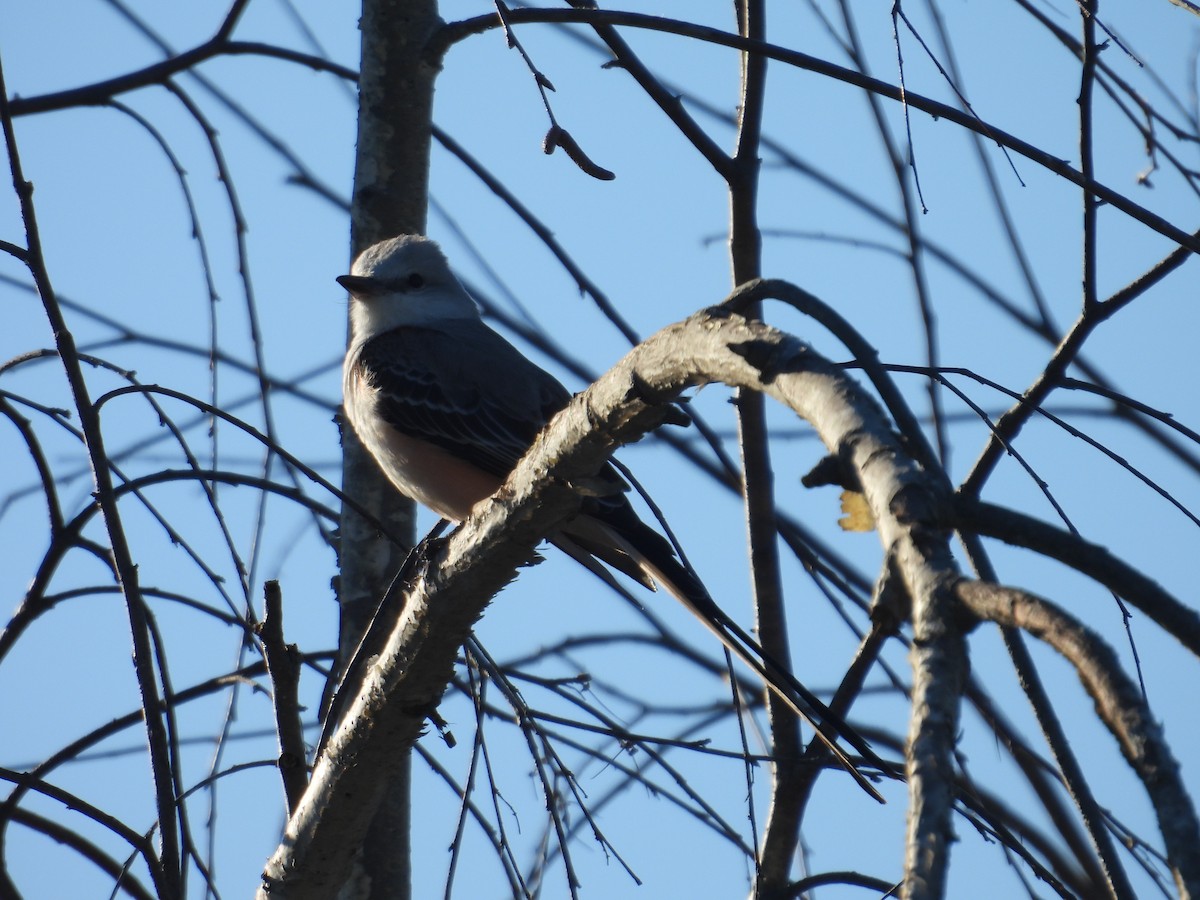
464, 389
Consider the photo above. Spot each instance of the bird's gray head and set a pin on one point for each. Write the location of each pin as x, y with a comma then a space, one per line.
403, 281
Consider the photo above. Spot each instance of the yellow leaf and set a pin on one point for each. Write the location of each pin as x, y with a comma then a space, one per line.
857, 514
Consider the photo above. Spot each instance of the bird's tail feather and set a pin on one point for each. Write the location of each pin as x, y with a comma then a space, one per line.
636, 547
586, 549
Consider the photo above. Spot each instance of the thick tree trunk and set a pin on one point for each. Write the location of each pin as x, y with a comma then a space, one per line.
391, 194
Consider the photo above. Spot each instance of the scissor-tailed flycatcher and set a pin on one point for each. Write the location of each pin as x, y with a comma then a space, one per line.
447, 407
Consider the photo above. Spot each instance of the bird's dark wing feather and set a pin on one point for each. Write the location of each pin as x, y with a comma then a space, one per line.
452, 395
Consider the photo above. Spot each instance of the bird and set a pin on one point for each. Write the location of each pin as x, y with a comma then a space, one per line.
447, 406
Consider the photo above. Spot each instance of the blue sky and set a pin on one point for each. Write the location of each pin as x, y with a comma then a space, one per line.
119, 242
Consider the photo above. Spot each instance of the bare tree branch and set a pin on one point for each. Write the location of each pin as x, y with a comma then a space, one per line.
1120, 706
283, 665
484, 554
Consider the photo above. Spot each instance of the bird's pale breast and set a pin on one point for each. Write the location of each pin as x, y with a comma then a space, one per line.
421, 470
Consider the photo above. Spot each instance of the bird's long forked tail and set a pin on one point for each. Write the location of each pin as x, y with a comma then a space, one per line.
659, 562
827, 724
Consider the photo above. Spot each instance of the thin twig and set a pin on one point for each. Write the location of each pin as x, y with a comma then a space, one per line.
283, 665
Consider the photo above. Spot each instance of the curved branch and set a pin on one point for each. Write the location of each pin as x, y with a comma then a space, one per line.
141, 845
1096, 562
461, 574
122, 879
1119, 704
158, 73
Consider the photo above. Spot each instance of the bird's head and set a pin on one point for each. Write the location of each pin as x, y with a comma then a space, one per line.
404, 280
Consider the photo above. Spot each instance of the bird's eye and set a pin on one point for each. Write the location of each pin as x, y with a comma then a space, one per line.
416, 280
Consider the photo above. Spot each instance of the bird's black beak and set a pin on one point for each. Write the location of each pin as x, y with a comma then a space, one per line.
360, 286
